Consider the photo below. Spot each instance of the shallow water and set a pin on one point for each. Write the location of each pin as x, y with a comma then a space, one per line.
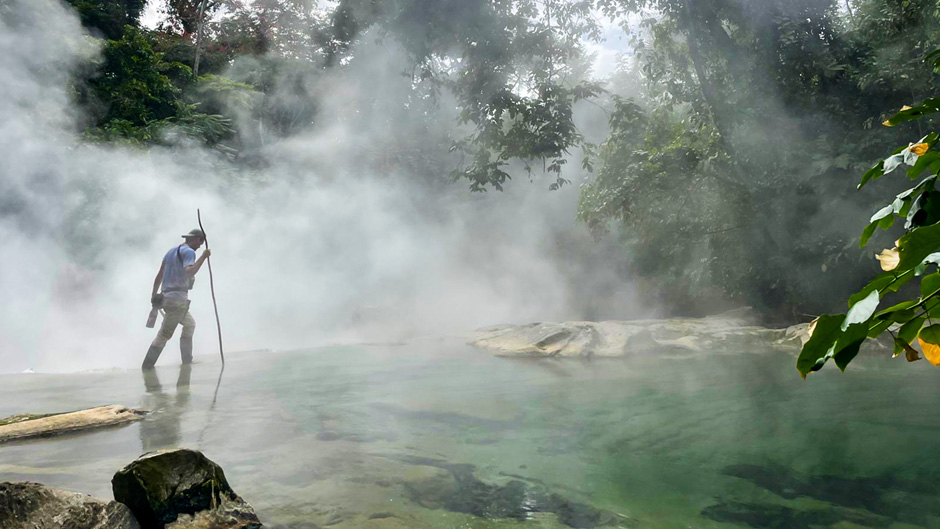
439, 435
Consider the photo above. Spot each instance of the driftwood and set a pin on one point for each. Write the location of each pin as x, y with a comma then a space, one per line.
30, 426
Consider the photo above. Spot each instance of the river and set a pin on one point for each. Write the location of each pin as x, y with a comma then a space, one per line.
436, 434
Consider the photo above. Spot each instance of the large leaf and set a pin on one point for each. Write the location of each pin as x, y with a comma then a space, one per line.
818, 348
892, 162
923, 163
876, 172
867, 233
884, 282
848, 344
929, 338
931, 350
924, 211
929, 284
915, 246
884, 217
862, 310
930, 334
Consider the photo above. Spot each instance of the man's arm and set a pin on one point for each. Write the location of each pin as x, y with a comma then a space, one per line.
157, 280
194, 268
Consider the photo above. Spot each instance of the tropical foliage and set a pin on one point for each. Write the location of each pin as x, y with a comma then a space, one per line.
733, 128
915, 255
744, 122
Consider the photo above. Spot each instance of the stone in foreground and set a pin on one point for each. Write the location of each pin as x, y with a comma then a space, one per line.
35, 506
28, 426
181, 489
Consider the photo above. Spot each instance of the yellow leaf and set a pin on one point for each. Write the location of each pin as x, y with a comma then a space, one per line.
931, 352
887, 123
919, 149
905, 107
889, 259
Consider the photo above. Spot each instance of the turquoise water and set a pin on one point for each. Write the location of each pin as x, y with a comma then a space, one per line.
440, 435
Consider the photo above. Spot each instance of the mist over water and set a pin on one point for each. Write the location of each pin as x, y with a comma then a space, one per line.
317, 246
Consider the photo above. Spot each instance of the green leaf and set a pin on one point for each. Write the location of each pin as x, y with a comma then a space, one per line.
848, 344
909, 330
931, 334
929, 106
883, 212
867, 233
862, 310
929, 284
915, 246
818, 348
876, 330
900, 313
876, 172
907, 333
886, 222
923, 163
886, 281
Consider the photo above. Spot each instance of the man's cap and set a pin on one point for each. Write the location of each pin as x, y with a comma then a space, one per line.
194, 233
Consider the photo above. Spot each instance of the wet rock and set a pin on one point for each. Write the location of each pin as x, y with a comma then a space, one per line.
181, 486
36, 506
773, 516
429, 486
438, 484
730, 332
889, 496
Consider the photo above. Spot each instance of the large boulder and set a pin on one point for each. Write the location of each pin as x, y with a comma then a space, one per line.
36, 506
183, 488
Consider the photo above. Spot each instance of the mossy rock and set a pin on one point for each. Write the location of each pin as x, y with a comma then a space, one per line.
160, 486
34, 506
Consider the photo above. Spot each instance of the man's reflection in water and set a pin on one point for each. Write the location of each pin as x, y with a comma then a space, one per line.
161, 428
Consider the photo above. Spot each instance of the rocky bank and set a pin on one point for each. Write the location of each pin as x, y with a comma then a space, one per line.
735, 331
167, 489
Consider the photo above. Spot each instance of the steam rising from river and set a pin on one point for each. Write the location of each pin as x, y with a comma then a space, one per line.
311, 250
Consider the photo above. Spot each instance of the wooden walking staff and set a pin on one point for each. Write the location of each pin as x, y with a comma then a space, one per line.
215, 305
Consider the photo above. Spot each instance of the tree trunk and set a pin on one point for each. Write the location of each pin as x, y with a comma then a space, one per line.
199, 27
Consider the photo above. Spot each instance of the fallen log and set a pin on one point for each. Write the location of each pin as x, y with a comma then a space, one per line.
27, 426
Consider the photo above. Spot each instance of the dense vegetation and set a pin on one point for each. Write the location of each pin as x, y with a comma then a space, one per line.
735, 130
915, 254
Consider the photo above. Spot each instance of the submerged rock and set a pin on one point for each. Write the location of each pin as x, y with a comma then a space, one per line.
181, 489
773, 516
734, 331
31, 426
436, 484
36, 506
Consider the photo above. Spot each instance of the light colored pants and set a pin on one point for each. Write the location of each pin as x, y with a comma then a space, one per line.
175, 312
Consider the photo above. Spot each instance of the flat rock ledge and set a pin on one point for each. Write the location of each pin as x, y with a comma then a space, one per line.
734, 332
32, 426
28, 505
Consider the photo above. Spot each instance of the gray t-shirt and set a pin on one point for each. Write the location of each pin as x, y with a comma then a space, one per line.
176, 282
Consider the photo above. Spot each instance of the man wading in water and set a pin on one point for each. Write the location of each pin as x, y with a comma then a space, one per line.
177, 274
